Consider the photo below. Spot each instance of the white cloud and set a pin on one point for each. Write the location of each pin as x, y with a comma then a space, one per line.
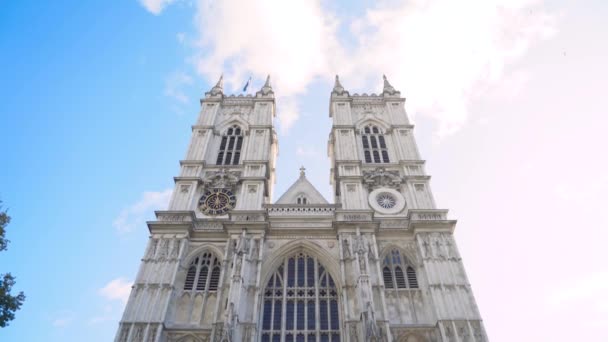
63, 319
155, 6
174, 86
117, 289
440, 54
116, 293
134, 215
443, 54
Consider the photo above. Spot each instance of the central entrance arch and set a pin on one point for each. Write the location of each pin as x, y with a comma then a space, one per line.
301, 303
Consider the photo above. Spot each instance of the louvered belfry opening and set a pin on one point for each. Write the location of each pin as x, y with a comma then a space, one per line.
230, 147
392, 272
300, 303
203, 273
374, 145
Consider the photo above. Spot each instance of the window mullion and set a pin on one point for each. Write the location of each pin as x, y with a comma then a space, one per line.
317, 306
284, 301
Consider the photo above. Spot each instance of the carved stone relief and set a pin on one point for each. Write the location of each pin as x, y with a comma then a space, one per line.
379, 177
221, 179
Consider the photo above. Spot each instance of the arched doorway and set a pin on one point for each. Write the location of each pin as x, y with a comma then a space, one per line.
300, 303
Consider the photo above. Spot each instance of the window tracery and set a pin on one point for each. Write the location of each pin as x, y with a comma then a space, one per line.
300, 303
230, 147
397, 272
203, 273
374, 145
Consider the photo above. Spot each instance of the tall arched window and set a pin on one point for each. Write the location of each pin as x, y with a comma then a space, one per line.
374, 145
230, 147
397, 273
300, 303
203, 273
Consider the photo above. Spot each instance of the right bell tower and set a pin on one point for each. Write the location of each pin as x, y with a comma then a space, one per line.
398, 256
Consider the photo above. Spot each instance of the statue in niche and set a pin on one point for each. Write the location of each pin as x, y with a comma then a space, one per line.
360, 244
428, 253
371, 328
237, 265
256, 248
345, 248
362, 264
242, 246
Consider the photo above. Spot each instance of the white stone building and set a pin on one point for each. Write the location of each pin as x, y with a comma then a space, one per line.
225, 263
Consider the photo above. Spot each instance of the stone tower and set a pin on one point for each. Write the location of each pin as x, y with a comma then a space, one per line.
224, 263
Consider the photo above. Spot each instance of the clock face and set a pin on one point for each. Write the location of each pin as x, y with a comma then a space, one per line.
217, 202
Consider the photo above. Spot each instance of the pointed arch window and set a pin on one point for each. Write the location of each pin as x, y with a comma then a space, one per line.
203, 273
300, 303
230, 147
374, 145
397, 272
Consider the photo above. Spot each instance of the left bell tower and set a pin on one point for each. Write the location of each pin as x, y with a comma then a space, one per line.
189, 286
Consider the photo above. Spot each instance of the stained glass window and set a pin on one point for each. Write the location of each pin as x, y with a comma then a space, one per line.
305, 307
374, 145
230, 147
198, 273
392, 272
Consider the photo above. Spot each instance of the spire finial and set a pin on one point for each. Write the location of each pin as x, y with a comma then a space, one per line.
338, 88
267, 88
219, 87
388, 88
302, 171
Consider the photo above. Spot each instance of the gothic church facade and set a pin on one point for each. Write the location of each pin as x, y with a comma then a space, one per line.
224, 263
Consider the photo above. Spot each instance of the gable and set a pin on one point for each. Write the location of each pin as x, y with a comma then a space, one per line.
302, 188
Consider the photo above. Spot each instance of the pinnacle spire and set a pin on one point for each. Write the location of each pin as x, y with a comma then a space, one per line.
267, 88
302, 171
388, 88
218, 88
338, 88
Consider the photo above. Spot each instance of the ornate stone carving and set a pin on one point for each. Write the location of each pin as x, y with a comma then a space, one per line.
388, 88
266, 89
221, 179
381, 178
218, 89
346, 248
242, 246
372, 333
338, 88
208, 225
230, 321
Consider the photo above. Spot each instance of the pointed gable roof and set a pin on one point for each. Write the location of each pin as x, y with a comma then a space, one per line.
302, 187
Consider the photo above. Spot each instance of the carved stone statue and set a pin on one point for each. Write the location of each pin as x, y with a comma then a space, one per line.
221, 179
371, 328
346, 248
242, 246
381, 178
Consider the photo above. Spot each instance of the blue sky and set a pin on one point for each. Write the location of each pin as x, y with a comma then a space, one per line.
508, 99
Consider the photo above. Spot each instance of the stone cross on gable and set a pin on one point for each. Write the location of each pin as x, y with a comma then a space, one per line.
302, 171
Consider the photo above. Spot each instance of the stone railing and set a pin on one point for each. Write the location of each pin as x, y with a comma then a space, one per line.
174, 216
301, 210
428, 215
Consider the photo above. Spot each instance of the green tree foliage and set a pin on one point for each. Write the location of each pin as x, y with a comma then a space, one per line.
9, 304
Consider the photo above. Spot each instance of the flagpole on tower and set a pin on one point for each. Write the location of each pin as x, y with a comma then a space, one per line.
247, 85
